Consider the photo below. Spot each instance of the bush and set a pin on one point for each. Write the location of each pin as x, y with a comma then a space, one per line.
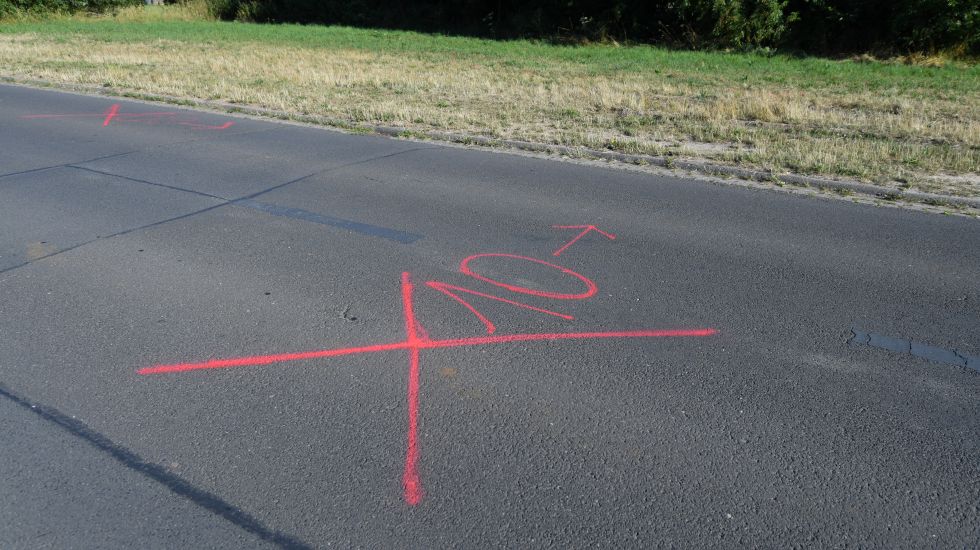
825, 26
11, 7
814, 26
734, 23
888, 26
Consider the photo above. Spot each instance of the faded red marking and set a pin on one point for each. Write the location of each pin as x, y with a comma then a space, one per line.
113, 114
110, 114
448, 289
160, 114
100, 115
80, 115
207, 127
586, 228
591, 287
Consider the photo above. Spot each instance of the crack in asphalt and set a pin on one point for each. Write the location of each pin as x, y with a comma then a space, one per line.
332, 169
75, 163
117, 234
137, 180
67, 164
226, 201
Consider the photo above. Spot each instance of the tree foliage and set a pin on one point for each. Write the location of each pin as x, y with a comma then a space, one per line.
819, 26
62, 6
814, 26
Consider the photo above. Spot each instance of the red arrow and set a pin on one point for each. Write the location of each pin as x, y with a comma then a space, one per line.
586, 228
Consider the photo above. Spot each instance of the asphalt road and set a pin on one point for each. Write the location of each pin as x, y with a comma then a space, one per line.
737, 367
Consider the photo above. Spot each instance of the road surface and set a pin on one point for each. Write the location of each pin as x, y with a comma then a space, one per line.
225, 332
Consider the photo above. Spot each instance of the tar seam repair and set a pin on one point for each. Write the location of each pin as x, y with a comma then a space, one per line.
417, 339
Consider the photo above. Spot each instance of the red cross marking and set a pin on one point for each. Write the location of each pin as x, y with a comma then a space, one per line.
417, 339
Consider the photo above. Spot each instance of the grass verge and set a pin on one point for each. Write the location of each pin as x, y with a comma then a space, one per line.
894, 125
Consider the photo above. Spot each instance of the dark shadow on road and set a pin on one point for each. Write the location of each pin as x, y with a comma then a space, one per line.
157, 473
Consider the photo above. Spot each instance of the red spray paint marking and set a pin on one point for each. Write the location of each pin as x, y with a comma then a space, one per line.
423, 343
591, 289
112, 114
587, 229
417, 339
101, 115
270, 359
411, 483
448, 290
196, 126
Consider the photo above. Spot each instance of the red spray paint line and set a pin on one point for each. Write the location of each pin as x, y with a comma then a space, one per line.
586, 228
417, 339
196, 126
110, 114
101, 115
270, 359
421, 344
411, 483
590, 287
453, 292
80, 115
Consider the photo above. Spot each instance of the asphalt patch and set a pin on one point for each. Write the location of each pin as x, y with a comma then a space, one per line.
914, 348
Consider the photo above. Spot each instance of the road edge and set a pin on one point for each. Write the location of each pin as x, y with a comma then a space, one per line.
705, 168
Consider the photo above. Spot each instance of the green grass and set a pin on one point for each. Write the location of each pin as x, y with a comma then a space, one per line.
882, 122
598, 59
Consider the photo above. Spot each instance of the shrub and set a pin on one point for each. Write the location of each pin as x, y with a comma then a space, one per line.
814, 26
888, 26
11, 7
735, 23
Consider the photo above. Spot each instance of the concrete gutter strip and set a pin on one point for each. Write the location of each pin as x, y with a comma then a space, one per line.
701, 167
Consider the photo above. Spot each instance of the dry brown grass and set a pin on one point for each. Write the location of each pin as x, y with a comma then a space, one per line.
185, 11
899, 138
